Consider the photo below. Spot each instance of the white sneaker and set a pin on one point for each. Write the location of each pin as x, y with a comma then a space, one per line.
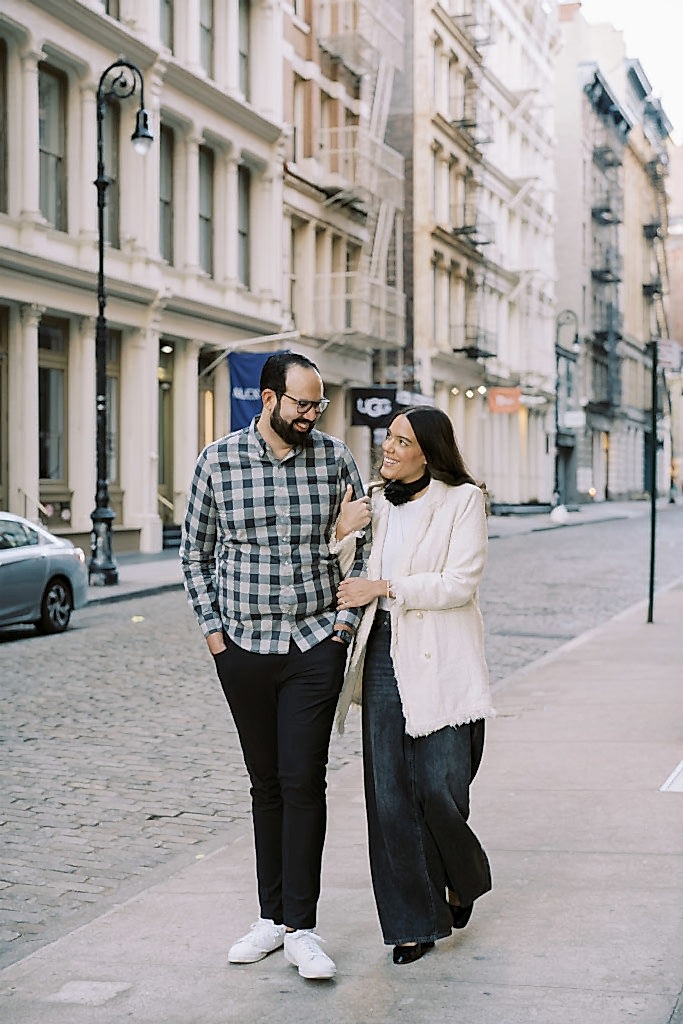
302, 948
264, 937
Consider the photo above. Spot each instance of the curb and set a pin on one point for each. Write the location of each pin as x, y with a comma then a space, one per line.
129, 595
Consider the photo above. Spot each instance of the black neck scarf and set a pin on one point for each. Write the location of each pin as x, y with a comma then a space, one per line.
399, 493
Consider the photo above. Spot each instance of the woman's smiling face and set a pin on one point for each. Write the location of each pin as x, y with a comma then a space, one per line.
403, 458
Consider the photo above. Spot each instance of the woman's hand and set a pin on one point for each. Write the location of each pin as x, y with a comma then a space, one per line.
353, 515
356, 591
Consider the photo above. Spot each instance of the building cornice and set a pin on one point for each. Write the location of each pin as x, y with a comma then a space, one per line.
30, 268
209, 95
100, 28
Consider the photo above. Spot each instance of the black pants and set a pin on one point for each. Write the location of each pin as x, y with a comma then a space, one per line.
283, 706
417, 800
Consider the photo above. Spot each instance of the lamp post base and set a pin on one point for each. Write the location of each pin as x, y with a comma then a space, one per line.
102, 570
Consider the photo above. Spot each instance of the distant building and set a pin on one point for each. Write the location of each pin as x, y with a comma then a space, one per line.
473, 118
611, 258
343, 199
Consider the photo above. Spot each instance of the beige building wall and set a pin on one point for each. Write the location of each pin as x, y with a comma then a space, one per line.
171, 313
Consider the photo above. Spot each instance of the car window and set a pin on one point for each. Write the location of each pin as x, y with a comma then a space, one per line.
16, 535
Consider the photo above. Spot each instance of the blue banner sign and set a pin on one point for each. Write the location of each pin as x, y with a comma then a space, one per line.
245, 394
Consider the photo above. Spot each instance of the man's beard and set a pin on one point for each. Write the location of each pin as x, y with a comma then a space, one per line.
286, 430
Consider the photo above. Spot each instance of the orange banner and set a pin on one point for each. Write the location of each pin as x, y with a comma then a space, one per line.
504, 399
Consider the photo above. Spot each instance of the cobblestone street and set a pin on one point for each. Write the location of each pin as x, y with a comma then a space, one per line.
120, 758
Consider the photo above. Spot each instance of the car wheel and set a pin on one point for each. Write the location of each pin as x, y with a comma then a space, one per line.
56, 607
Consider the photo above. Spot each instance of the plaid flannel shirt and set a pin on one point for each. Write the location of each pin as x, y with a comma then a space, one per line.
255, 546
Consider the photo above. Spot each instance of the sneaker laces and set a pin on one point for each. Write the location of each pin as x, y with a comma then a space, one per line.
309, 942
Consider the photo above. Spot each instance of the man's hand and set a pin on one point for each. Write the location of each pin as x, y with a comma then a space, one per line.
216, 643
353, 515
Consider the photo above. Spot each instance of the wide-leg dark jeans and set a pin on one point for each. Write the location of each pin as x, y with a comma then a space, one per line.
283, 706
417, 800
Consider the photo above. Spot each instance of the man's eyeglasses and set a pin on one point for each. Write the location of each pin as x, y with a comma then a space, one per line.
303, 405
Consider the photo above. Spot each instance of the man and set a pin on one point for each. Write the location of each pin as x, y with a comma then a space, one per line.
262, 581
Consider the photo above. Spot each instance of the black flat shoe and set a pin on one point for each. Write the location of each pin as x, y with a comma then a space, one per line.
460, 915
409, 954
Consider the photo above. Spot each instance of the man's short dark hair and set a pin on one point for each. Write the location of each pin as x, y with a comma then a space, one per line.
274, 372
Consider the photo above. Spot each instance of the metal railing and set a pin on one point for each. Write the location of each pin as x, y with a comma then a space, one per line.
45, 512
608, 207
165, 502
353, 161
474, 341
351, 304
470, 223
608, 266
361, 31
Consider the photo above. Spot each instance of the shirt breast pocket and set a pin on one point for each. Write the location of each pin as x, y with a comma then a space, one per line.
243, 515
316, 504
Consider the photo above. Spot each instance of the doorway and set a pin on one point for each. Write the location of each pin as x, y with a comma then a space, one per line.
165, 441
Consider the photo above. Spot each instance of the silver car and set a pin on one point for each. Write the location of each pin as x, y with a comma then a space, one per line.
42, 577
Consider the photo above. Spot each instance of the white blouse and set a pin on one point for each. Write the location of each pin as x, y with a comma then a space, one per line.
402, 521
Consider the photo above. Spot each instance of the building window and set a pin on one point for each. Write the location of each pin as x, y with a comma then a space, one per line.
207, 428
111, 127
206, 36
293, 266
3, 126
243, 218
52, 372
352, 259
113, 372
112, 8
166, 23
206, 166
298, 119
52, 144
393, 256
166, 156
243, 59
4, 412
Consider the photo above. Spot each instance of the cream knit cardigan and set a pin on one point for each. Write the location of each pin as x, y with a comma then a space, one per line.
437, 635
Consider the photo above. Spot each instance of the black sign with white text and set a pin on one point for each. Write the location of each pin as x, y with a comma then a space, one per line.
372, 407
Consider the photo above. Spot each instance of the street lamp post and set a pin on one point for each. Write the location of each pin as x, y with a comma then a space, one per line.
563, 318
653, 347
118, 81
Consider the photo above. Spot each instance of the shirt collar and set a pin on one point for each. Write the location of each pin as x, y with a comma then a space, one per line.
259, 446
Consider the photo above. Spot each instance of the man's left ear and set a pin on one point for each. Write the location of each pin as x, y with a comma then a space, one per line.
268, 399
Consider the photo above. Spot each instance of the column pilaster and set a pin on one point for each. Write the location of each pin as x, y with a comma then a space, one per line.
191, 234
23, 412
30, 201
82, 427
230, 235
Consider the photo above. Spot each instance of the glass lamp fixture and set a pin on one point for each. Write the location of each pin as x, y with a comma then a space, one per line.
142, 137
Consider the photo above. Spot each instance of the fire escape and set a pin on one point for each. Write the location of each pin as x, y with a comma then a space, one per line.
364, 302
656, 280
655, 232
610, 131
473, 229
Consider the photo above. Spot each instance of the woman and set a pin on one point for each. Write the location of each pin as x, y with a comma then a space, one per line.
419, 655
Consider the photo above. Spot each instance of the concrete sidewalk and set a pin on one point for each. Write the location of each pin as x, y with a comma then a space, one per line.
579, 804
